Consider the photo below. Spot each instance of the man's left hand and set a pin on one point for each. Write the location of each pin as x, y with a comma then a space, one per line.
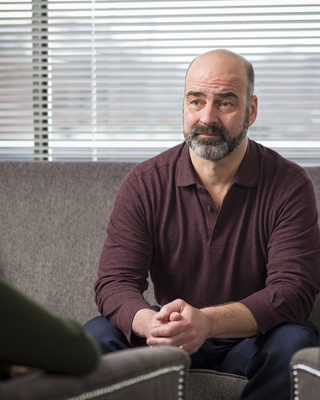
180, 325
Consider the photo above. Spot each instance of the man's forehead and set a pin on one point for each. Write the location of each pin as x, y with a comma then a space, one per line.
207, 75
216, 85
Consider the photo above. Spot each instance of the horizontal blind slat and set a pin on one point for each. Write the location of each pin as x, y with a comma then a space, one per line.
75, 83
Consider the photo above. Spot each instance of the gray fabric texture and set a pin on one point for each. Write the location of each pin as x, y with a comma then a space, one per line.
305, 374
136, 374
53, 221
205, 384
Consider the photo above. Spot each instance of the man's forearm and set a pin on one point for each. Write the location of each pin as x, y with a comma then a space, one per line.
179, 324
233, 320
141, 322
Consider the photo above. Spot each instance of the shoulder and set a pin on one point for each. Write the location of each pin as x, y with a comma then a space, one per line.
161, 168
153, 178
166, 159
281, 182
274, 166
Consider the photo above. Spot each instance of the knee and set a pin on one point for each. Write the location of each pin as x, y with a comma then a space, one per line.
109, 337
97, 326
289, 337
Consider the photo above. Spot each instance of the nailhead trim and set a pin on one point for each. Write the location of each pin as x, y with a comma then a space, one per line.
133, 381
305, 368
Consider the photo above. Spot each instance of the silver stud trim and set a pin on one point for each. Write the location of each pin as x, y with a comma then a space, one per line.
306, 368
301, 367
133, 381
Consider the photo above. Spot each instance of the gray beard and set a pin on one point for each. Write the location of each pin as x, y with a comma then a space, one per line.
215, 149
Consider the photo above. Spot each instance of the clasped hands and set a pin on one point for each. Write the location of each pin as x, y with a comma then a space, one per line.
178, 324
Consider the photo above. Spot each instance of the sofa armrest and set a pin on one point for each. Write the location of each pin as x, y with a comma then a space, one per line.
137, 374
305, 374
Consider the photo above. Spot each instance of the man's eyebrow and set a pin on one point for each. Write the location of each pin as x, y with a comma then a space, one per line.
221, 94
227, 94
195, 94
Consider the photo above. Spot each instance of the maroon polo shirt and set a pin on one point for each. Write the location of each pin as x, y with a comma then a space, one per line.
262, 248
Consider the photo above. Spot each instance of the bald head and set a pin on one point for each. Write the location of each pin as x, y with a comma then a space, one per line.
226, 56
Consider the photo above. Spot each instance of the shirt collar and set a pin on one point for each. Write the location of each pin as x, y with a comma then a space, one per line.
185, 173
247, 174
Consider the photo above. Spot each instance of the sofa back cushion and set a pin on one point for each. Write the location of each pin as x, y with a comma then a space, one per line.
53, 221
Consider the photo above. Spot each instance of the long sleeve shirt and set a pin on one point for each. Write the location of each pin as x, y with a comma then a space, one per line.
262, 248
31, 335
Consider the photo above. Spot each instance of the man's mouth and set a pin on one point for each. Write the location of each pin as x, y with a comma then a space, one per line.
208, 134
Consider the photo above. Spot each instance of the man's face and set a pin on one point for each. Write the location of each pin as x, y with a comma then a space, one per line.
216, 111
205, 143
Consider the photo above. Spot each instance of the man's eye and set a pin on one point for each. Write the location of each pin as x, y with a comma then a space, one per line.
225, 104
195, 102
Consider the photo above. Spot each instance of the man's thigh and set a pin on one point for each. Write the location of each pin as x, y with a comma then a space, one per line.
264, 360
234, 355
212, 353
274, 349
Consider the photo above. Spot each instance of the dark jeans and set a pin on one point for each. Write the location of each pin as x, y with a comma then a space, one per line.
264, 360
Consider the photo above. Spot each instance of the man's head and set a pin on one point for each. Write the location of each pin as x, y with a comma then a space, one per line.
219, 105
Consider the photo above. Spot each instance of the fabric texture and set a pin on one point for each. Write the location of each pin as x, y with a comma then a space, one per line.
53, 256
262, 248
53, 222
305, 374
136, 374
226, 386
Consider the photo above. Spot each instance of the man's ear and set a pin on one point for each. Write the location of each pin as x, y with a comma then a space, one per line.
253, 107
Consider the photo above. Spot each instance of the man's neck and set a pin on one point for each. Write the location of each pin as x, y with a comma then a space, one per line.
218, 174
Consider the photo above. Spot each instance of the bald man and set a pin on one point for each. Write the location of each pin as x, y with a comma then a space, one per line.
228, 230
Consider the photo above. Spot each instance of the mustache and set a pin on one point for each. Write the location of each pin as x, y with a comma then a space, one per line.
208, 130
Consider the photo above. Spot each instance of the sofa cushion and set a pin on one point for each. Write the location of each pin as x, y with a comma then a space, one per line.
211, 385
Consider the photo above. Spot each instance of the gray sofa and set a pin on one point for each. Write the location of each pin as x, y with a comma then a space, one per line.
53, 221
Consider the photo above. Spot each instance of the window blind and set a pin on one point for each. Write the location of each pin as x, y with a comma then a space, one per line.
104, 80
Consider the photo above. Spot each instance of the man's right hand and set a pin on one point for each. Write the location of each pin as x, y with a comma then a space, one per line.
143, 322
176, 324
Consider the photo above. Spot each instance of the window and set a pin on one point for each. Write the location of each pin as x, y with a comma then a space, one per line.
103, 80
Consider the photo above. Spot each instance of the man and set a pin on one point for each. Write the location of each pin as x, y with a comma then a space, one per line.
229, 232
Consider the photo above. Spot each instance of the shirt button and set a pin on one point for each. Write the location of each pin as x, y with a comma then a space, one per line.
209, 208
216, 230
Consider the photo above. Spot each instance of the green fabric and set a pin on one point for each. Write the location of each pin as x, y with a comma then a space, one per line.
31, 335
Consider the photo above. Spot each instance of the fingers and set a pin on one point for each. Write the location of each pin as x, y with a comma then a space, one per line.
178, 324
175, 316
168, 328
168, 341
180, 342
175, 306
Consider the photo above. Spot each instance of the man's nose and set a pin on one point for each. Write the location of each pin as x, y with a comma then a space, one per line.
209, 115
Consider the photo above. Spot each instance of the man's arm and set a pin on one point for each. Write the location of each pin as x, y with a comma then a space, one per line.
179, 324
143, 322
125, 260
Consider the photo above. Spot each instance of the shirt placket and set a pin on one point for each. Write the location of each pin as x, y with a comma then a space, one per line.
209, 209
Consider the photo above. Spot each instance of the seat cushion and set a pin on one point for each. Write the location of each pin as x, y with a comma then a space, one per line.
212, 385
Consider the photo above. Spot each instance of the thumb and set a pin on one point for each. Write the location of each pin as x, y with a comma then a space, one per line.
171, 310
